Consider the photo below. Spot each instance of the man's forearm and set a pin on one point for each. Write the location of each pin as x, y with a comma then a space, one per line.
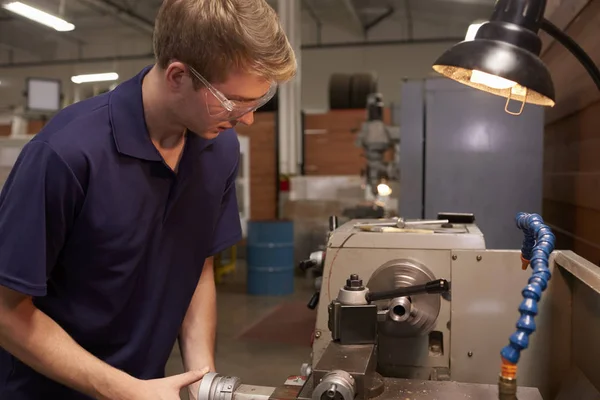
197, 338
38, 341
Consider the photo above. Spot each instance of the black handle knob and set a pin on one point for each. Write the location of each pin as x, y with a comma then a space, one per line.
433, 287
314, 301
306, 264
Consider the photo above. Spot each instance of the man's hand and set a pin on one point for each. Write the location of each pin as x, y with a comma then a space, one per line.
195, 386
166, 388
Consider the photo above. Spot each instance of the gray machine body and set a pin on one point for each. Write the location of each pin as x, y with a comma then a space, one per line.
476, 320
461, 152
368, 253
458, 355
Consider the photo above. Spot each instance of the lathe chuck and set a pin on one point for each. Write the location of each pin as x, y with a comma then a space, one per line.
407, 316
216, 387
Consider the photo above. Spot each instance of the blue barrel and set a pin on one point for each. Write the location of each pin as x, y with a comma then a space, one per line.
270, 254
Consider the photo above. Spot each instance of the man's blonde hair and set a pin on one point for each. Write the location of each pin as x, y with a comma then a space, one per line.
216, 37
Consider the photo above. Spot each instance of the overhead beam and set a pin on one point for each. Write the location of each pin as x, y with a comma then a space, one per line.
315, 18
354, 18
336, 11
376, 43
409, 19
26, 41
483, 9
380, 18
82, 60
471, 2
124, 15
150, 56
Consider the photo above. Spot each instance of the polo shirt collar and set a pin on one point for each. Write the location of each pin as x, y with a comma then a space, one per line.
128, 121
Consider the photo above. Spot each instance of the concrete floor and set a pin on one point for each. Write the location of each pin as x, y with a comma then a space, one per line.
257, 363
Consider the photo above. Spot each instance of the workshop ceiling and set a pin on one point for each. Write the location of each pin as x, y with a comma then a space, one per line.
111, 23
365, 13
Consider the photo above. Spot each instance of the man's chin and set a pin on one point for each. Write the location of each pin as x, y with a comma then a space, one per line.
209, 134
214, 132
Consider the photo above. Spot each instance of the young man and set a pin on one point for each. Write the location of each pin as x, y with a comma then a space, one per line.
112, 212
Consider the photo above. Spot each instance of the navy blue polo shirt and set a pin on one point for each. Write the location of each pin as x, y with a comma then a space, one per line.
108, 240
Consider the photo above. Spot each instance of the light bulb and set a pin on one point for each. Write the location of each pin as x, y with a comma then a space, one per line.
383, 189
493, 81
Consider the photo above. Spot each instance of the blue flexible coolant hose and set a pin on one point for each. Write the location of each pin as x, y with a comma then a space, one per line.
538, 244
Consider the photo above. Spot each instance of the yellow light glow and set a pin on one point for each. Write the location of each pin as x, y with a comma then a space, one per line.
493, 81
383, 189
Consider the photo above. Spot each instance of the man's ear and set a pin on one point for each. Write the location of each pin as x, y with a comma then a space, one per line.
175, 74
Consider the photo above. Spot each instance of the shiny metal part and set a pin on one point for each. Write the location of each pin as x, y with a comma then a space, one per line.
403, 389
402, 223
425, 308
352, 297
507, 388
251, 392
306, 369
400, 309
217, 387
317, 257
359, 361
335, 385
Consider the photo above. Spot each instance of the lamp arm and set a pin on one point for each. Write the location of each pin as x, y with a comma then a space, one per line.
574, 48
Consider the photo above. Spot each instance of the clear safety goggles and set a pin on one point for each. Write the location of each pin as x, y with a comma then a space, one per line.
228, 110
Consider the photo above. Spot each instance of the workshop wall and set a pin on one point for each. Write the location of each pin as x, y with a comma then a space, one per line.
329, 142
33, 127
391, 62
263, 165
572, 139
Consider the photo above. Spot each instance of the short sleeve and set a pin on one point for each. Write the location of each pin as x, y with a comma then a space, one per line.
229, 229
37, 208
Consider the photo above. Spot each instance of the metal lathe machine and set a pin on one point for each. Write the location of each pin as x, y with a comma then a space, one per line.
420, 310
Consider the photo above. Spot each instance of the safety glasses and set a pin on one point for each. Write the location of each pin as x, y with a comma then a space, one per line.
228, 110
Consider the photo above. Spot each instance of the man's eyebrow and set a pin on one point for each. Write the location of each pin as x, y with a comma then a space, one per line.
241, 98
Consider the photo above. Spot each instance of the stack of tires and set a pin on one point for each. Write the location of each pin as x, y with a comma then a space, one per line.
350, 91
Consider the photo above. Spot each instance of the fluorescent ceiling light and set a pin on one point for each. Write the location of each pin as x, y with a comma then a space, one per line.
106, 77
39, 16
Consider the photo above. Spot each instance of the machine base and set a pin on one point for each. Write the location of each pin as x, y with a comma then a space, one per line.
403, 389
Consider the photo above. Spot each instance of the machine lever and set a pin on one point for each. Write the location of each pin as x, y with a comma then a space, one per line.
314, 301
433, 287
307, 264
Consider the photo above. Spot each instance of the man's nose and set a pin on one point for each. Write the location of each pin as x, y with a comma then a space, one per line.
247, 119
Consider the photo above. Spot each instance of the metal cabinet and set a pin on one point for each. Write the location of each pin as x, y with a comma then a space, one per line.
461, 152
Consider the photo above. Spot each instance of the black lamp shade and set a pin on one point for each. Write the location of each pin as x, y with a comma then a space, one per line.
506, 47
503, 60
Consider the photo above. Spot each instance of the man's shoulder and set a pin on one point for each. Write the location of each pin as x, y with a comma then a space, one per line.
228, 147
77, 120
75, 131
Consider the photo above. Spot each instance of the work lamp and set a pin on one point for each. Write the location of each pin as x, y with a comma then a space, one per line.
503, 58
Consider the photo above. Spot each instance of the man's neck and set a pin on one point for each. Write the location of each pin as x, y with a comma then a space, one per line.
164, 133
